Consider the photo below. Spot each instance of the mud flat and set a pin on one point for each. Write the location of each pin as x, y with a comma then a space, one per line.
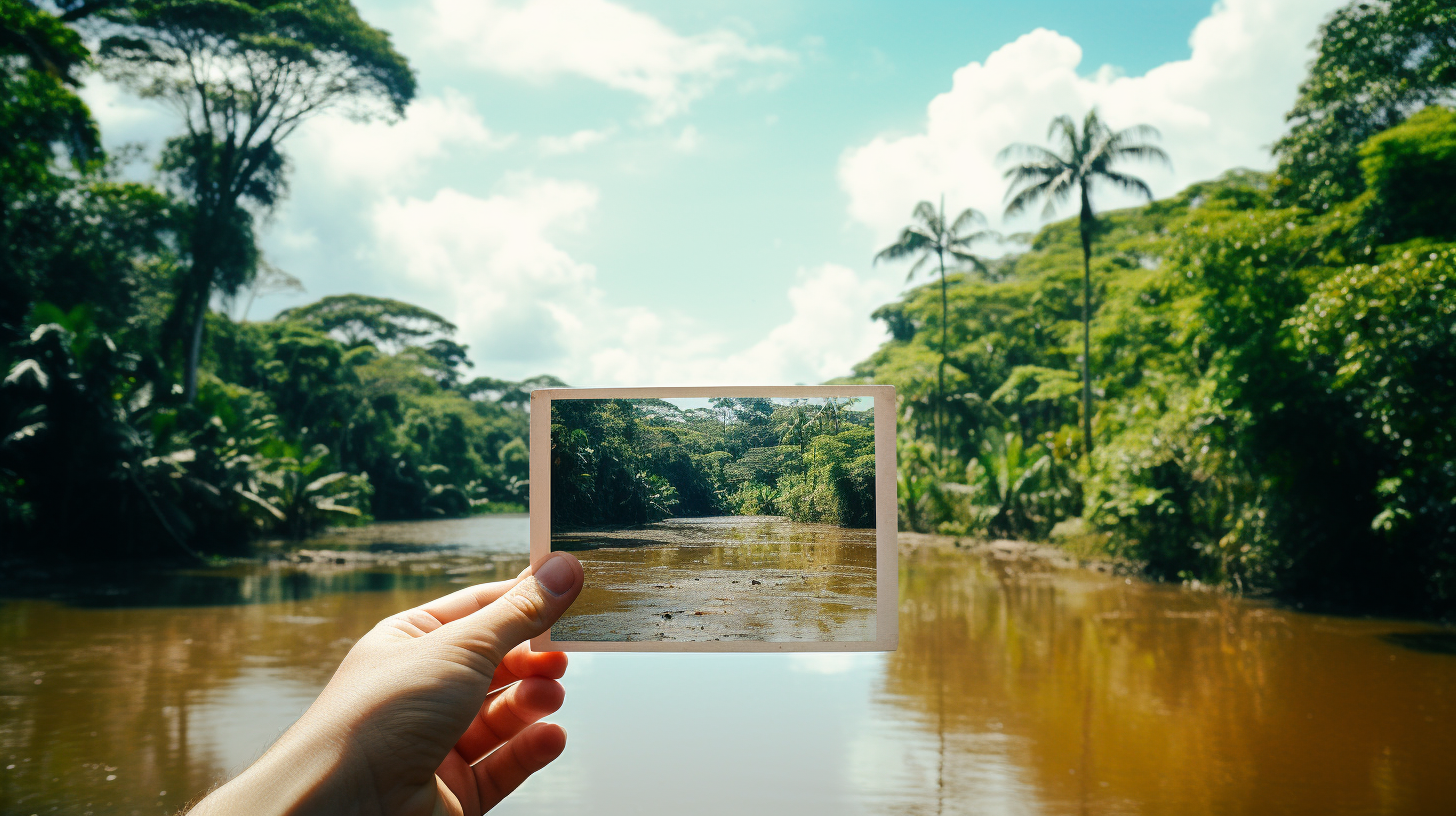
760, 578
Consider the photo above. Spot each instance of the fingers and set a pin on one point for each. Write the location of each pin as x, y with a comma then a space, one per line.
521, 662
505, 714
522, 612
526, 753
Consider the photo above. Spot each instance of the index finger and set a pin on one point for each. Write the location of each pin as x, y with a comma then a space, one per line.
464, 602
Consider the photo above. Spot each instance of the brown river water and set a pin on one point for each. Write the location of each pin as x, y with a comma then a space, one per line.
1017, 689
758, 578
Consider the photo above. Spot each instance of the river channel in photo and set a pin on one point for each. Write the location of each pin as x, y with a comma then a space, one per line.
1018, 688
756, 578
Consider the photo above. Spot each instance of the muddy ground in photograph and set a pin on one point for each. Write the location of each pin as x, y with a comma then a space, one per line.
760, 578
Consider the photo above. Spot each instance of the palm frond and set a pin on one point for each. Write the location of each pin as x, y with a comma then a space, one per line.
925, 211
1143, 152
1123, 181
968, 217
917, 266
1063, 129
911, 240
1028, 195
1030, 151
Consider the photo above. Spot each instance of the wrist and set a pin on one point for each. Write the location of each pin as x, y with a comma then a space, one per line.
309, 770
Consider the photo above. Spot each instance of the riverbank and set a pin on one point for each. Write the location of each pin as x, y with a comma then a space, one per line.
1024, 554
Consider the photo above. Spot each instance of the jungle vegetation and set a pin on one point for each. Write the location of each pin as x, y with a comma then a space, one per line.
1268, 400
1272, 356
139, 420
636, 461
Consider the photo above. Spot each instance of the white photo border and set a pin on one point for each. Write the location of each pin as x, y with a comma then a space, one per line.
887, 566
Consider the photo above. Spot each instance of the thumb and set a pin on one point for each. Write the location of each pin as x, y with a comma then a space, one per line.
525, 611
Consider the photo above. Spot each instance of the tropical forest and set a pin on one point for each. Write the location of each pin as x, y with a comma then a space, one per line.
626, 461
1248, 384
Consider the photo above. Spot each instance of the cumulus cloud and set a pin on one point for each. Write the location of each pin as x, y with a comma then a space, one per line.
599, 40
380, 153
525, 305
1220, 108
489, 265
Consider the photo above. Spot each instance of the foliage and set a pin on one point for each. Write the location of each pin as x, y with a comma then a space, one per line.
1085, 159
636, 461
242, 77
360, 319
1377, 64
932, 237
1410, 178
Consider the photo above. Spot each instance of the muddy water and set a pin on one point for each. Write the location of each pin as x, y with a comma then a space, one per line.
727, 578
1015, 691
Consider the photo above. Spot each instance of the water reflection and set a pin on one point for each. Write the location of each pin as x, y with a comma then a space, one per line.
1094, 696
1014, 691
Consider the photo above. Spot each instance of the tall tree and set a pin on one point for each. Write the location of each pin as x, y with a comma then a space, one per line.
1377, 64
1083, 158
243, 75
932, 237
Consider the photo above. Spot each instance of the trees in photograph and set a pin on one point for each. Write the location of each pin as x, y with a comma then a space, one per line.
637, 461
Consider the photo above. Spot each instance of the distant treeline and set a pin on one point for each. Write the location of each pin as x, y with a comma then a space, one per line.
636, 461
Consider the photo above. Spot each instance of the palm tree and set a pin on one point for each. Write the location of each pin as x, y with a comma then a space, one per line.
1084, 158
932, 237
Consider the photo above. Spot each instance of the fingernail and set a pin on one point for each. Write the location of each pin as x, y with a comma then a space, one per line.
556, 575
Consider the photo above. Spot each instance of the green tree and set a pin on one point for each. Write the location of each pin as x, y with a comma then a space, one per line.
1410, 178
1086, 157
932, 237
243, 77
358, 319
1377, 64
40, 113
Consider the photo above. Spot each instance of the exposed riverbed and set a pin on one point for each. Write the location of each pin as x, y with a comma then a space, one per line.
1021, 686
758, 578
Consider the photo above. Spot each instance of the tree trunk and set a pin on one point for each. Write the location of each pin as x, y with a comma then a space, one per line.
940, 378
194, 345
1085, 223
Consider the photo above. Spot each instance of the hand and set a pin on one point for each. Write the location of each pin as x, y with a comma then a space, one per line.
422, 718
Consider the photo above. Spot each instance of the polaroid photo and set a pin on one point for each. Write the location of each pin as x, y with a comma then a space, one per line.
732, 519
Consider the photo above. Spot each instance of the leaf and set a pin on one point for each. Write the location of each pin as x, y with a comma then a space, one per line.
321, 483
33, 368
261, 502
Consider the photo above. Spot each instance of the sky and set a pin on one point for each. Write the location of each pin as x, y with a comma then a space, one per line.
649, 192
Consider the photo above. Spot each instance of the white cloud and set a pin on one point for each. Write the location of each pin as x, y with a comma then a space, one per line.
379, 153
575, 142
687, 141
599, 40
524, 305
488, 264
1219, 109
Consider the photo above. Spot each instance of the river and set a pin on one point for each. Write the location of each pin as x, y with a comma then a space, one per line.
760, 578
1017, 689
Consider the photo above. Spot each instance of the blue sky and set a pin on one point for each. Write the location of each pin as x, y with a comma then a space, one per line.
646, 192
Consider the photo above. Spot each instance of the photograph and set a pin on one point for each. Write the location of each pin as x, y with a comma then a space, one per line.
711, 519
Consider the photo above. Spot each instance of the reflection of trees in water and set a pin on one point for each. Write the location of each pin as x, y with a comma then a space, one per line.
1086, 694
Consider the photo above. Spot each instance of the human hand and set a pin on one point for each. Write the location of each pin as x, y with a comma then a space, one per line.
422, 718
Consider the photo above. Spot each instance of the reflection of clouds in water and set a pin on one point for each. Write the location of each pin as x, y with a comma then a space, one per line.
832, 662
238, 721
